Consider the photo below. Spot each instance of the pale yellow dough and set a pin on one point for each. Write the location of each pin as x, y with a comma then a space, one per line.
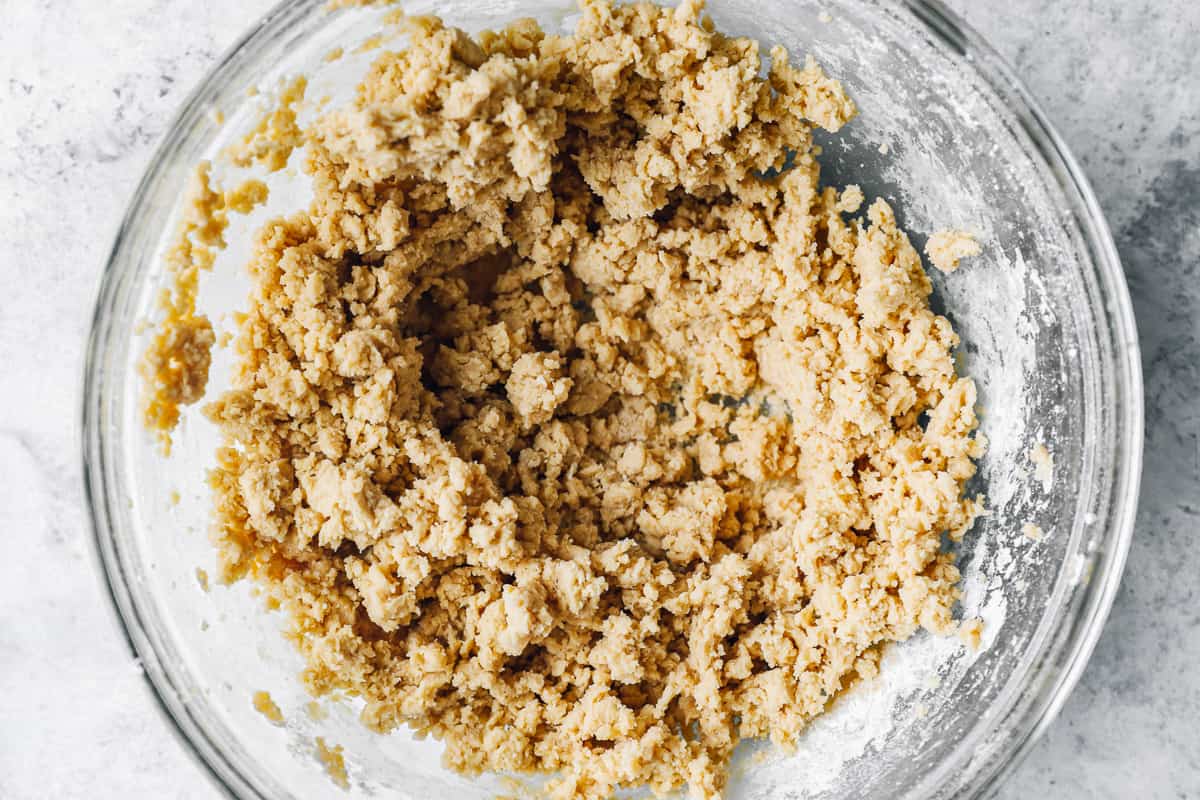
332, 759
1043, 465
946, 248
576, 424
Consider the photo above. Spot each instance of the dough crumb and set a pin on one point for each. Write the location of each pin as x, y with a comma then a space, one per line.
536, 387
1032, 532
246, 197
1043, 465
946, 248
265, 705
202, 578
314, 710
370, 43
276, 134
174, 367
970, 632
335, 5
333, 761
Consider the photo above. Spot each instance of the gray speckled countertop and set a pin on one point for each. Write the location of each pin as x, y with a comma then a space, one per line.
86, 89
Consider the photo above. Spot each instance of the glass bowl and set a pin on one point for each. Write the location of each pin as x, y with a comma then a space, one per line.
947, 135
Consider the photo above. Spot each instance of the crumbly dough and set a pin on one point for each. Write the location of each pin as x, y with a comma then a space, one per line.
946, 248
334, 762
575, 423
174, 368
1033, 532
276, 134
970, 633
1043, 465
266, 705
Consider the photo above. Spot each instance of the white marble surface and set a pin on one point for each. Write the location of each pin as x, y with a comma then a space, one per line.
85, 91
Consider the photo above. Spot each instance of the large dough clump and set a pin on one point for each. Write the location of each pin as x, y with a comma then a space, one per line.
575, 423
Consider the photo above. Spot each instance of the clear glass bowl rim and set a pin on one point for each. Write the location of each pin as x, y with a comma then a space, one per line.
1052, 682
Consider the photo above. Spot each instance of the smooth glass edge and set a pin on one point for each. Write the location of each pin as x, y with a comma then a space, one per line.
222, 772
112, 577
951, 31
1057, 678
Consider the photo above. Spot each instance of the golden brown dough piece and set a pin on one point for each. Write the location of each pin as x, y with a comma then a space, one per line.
174, 367
575, 423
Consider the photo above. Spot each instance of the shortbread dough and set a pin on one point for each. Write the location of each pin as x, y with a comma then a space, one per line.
947, 248
575, 423
174, 367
